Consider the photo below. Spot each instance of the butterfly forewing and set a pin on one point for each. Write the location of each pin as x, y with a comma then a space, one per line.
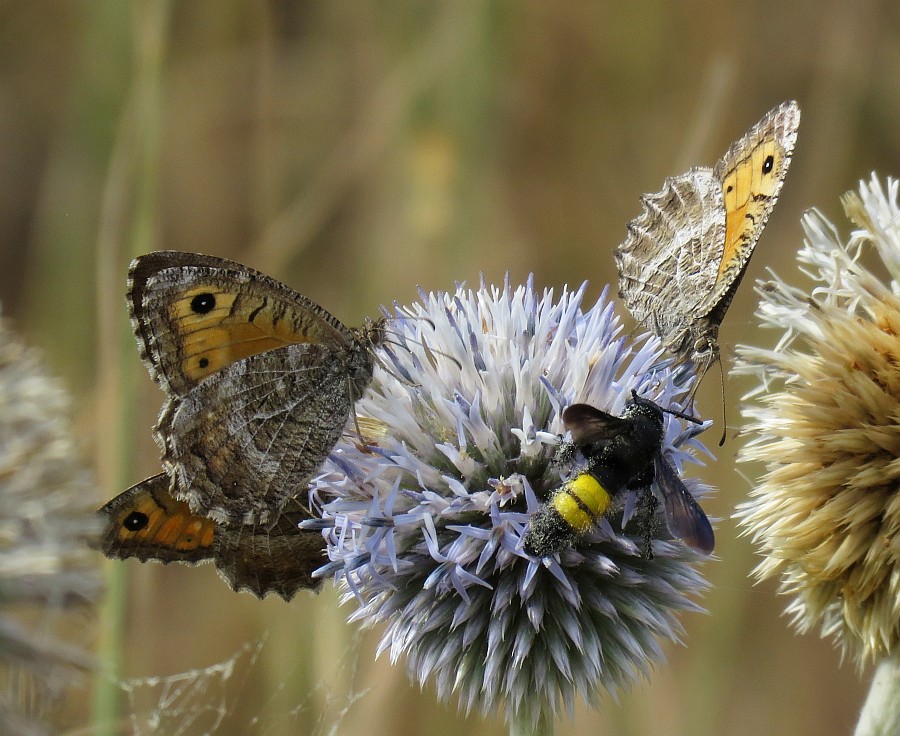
146, 522
752, 173
193, 315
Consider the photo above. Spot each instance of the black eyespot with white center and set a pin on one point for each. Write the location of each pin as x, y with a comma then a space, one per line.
203, 303
768, 164
135, 521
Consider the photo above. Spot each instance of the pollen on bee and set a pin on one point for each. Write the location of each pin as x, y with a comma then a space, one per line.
581, 501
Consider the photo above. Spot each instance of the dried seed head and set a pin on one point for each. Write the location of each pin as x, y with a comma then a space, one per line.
825, 422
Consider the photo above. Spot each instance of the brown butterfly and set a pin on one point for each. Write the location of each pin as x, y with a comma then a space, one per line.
686, 254
146, 522
260, 381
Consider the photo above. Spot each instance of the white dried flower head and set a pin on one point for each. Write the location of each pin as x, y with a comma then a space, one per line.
46, 520
425, 529
825, 422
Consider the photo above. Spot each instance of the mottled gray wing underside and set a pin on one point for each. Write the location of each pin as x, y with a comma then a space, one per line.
686, 253
271, 559
280, 413
669, 260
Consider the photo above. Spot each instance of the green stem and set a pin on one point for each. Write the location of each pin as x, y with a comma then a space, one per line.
138, 137
880, 715
521, 725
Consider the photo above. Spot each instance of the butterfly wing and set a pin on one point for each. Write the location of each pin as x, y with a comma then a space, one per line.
751, 175
684, 517
148, 523
686, 253
669, 260
194, 315
281, 412
278, 559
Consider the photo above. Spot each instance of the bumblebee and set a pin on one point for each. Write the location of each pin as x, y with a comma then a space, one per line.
623, 453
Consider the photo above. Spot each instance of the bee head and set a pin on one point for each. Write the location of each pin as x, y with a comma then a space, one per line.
646, 419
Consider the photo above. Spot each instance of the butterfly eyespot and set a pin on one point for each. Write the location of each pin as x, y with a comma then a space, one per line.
768, 164
203, 303
135, 521
203, 362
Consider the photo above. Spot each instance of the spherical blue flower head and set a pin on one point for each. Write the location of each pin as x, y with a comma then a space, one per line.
425, 522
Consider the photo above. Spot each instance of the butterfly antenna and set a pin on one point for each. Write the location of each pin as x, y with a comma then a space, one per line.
724, 418
358, 430
424, 345
402, 314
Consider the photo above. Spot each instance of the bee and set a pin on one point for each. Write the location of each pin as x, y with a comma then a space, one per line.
623, 453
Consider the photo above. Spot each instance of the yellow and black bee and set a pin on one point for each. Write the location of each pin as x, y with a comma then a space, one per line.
623, 453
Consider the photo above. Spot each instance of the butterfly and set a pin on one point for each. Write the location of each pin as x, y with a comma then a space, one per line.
623, 453
686, 254
259, 381
146, 522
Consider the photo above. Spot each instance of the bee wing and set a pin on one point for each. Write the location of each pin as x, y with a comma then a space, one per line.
684, 517
589, 424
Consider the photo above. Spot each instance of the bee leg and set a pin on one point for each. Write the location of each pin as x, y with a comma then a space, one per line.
647, 520
565, 454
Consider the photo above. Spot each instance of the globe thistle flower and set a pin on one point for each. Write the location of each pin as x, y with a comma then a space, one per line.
825, 423
46, 567
425, 524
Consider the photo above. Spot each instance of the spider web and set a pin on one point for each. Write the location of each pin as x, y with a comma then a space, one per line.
204, 701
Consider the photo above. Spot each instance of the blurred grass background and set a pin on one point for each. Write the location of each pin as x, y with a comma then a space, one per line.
355, 151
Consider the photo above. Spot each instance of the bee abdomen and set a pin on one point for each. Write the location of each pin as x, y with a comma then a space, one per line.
581, 501
571, 512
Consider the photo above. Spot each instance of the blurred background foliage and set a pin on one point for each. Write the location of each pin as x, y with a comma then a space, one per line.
356, 150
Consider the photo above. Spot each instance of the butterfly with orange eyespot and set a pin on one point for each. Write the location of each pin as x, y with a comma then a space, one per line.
147, 523
686, 254
260, 383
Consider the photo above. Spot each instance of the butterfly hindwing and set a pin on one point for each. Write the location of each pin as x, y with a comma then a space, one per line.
283, 412
279, 558
669, 256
